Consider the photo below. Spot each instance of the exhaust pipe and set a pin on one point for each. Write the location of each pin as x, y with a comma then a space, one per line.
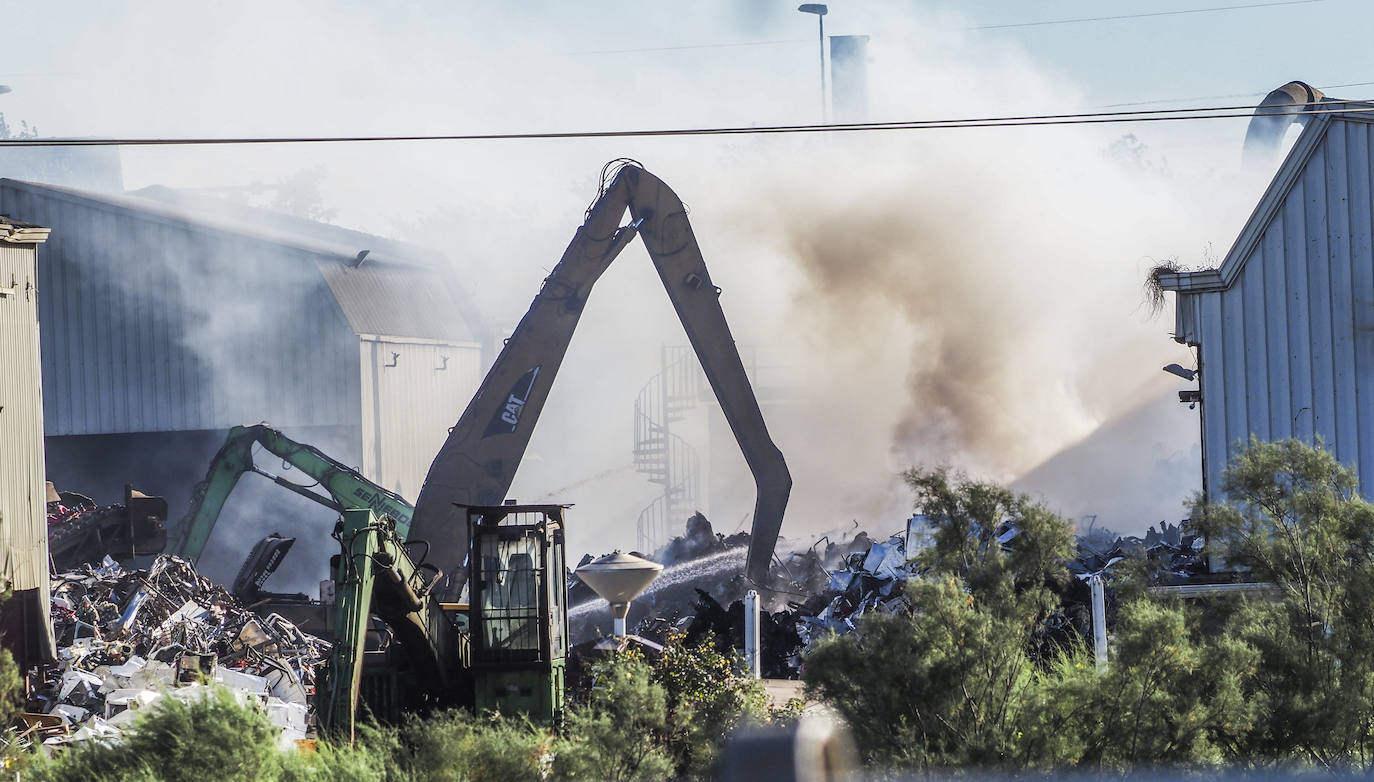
1278, 111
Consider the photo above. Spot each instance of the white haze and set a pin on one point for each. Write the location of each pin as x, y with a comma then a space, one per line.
961, 297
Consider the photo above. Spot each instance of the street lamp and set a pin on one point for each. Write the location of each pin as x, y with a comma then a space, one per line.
820, 10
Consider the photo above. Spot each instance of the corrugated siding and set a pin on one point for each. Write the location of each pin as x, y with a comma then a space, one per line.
154, 324
23, 501
410, 398
1287, 350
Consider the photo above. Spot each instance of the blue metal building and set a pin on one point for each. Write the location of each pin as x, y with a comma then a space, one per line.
1284, 328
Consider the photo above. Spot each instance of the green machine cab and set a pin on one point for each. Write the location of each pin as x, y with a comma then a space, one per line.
518, 608
511, 656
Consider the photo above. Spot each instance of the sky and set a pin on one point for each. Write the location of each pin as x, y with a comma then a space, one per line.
969, 298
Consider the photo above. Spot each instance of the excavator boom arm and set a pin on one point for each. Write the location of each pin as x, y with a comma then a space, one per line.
345, 487
477, 463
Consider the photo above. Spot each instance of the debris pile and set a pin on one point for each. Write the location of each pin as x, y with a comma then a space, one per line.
1173, 554
80, 531
830, 586
127, 639
848, 580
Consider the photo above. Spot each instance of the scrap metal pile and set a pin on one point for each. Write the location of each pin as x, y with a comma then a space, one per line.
828, 587
81, 531
1173, 553
127, 639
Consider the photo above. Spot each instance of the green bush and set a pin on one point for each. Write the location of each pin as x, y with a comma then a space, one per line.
455, 745
1297, 522
708, 697
621, 732
941, 687
210, 739
1285, 678
11, 688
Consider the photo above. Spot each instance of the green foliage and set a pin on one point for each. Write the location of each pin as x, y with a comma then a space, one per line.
621, 731
941, 687
1298, 523
458, 746
1013, 581
1165, 699
963, 679
11, 701
210, 739
662, 719
216, 738
707, 698
11, 688
11, 679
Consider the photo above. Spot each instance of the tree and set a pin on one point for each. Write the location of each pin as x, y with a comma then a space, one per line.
1010, 550
209, 739
1296, 521
939, 687
1171, 695
455, 745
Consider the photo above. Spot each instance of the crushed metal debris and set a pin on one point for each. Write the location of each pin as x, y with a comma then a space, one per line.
128, 639
829, 586
82, 532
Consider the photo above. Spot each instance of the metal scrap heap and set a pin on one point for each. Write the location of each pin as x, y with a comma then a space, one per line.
126, 639
80, 531
845, 580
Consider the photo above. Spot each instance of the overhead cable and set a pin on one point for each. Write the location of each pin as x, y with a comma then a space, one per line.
1159, 115
1144, 15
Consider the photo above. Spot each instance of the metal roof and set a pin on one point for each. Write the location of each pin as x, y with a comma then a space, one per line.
395, 300
400, 290
1288, 175
20, 232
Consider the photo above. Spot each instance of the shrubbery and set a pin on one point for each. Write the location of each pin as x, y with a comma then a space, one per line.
967, 680
641, 720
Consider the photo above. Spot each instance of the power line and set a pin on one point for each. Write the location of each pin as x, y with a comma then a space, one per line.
692, 46
1222, 97
1142, 15
1160, 115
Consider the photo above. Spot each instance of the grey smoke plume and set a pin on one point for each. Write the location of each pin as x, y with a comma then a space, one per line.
953, 296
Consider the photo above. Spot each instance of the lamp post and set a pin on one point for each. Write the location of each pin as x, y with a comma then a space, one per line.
820, 10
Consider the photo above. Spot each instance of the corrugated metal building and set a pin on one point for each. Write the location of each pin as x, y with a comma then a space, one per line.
24, 628
168, 319
1284, 328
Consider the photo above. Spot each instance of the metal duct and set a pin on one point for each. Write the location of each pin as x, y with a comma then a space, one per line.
1275, 114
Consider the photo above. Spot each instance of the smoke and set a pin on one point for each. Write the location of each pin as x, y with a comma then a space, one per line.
962, 297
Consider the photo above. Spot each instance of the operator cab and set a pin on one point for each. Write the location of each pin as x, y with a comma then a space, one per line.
518, 597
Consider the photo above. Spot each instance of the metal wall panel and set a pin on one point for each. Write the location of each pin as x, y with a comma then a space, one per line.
159, 324
1287, 343
412, 393
23, 500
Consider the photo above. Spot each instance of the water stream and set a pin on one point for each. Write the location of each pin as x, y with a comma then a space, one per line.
691, 570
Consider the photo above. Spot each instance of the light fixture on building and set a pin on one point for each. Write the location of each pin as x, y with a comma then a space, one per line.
1186, 374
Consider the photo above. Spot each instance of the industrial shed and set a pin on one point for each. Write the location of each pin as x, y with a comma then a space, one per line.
24, 628
1284, 328
168, 319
